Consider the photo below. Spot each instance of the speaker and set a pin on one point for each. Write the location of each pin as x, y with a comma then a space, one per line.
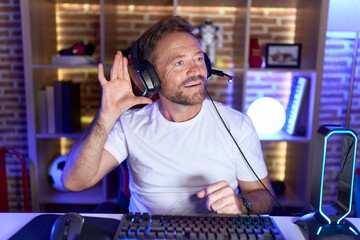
143, 74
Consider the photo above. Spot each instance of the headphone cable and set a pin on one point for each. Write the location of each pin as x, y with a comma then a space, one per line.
247, 162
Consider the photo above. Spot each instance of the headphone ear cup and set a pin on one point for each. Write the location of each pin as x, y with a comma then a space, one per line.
153, 81
142, 73
208, 65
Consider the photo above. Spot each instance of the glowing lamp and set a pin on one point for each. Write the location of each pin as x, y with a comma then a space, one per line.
267, 114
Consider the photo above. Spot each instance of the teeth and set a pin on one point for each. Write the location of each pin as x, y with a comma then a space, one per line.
192, 84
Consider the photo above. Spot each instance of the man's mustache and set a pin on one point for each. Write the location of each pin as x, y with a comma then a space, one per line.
193, 79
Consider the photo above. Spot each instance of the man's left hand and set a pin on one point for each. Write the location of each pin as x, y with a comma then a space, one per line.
221, 198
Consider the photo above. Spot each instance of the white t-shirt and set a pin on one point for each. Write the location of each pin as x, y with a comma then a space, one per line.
169, 162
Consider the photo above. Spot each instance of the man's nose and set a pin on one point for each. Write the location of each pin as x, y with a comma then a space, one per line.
194, 69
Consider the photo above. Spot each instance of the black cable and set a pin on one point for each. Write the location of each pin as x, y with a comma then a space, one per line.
345, 158
247, 162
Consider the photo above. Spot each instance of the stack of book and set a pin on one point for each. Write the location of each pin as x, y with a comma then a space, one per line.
59, 108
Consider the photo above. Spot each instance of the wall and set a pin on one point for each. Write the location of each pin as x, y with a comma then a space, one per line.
13, 131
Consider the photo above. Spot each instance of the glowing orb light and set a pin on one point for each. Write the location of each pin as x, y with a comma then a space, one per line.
267, 114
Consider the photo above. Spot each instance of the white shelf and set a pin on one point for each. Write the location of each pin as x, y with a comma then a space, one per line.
58, 135
58, 66
283, 136
90, 196
282, 70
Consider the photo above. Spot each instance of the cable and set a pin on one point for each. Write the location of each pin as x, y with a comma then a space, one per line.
247, 162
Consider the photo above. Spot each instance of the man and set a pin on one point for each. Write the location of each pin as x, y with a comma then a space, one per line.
181, 157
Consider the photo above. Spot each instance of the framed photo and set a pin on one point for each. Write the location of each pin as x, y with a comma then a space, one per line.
283, 55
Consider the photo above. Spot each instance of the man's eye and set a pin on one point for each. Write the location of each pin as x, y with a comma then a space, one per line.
179, 63
200, 59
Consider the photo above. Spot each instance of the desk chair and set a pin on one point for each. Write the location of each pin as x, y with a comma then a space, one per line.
121, 204
4, 201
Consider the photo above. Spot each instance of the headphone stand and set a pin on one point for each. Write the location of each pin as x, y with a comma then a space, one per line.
329, 221
313, 228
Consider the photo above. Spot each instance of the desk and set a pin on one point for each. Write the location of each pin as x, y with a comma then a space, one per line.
12, 222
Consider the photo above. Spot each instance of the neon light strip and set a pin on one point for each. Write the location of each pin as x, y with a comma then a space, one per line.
322, 184
323, 170
319, 230
353, 230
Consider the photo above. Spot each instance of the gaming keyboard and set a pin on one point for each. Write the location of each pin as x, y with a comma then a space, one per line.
155, 226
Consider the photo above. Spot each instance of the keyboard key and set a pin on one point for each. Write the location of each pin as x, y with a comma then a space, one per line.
151, 235
160, 235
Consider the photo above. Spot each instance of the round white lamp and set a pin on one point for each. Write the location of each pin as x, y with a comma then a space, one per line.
267, 114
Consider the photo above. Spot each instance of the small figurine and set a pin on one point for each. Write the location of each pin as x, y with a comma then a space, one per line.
208, 33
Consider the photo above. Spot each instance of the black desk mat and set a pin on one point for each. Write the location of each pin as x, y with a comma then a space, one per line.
94, 228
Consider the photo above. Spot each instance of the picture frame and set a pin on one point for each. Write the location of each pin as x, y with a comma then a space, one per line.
282, 55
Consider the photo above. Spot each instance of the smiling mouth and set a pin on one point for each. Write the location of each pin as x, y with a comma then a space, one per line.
193, 84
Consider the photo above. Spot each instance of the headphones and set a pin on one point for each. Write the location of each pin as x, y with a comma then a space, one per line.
143, 74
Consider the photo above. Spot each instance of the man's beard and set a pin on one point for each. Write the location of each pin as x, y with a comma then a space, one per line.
178, 95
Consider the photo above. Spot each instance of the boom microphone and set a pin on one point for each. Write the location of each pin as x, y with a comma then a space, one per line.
222, 74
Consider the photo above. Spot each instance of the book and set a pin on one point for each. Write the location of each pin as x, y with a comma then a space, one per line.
71, 107
58, 95
50, 107
42, 111
293, 125
67, 104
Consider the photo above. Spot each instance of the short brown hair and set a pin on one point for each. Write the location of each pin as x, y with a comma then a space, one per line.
150, 38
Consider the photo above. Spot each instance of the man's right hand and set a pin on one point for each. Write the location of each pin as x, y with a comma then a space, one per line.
117, 95
88, 162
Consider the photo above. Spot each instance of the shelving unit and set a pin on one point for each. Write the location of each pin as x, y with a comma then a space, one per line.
118, 23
